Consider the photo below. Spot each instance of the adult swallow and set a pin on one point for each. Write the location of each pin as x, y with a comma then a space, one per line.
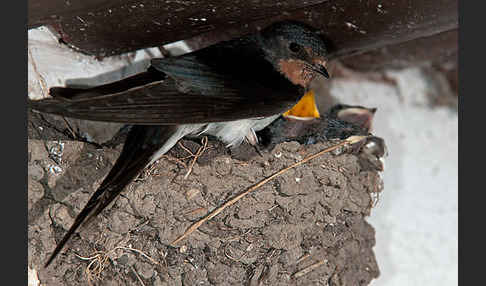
229, 90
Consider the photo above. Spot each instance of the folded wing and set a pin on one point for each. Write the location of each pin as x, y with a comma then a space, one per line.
173, 91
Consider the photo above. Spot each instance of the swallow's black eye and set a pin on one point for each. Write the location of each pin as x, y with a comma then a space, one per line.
295, 47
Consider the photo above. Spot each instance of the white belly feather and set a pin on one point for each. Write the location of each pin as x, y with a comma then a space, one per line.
231, 133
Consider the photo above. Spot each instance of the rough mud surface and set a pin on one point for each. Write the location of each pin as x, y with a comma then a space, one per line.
306, 227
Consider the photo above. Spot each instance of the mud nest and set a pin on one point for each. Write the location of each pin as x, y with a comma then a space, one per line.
306, 227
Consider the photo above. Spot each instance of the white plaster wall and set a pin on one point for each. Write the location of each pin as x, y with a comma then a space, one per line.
416, 218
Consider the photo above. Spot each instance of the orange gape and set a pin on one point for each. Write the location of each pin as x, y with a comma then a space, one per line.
305, 109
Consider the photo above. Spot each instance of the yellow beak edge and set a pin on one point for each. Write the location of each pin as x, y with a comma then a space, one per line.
305, 109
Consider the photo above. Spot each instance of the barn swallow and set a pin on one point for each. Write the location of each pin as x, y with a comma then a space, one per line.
229, 90
372, 151
340, 122
356, 114
373, 154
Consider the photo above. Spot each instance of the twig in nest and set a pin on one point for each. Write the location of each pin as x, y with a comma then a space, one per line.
199, 152
304, 257
138, 277
100, 259
170, 158
95, 267
139, 252
348, 141
185, 149
308, 269
146, 173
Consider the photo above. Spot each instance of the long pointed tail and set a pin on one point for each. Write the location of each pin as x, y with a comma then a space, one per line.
142, 143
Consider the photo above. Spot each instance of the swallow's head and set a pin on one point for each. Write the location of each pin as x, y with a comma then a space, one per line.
296, 50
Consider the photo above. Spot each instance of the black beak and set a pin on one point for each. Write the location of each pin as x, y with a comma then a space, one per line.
321, 70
